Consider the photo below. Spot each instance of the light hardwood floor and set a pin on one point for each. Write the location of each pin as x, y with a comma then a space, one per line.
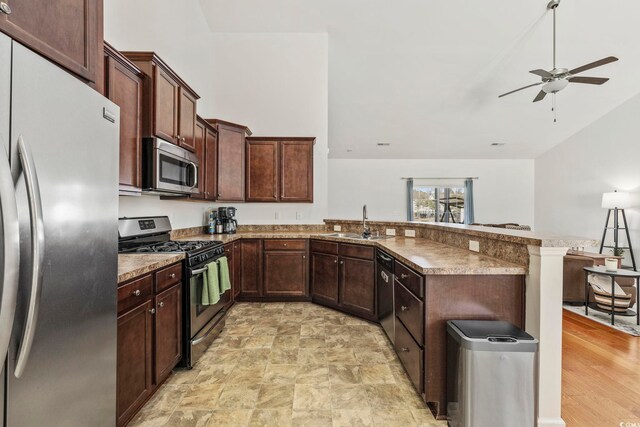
600, 374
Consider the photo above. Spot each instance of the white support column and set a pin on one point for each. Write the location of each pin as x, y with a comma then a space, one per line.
544, 321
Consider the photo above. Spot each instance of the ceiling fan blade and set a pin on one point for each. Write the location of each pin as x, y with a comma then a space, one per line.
595, 64
541, 73
540, 96
525, 87
589, 80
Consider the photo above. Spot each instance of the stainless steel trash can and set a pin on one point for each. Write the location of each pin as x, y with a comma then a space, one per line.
492, 371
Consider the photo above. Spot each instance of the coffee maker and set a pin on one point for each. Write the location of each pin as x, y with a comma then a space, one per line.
227, 215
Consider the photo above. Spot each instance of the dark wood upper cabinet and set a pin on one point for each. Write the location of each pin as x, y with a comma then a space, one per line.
231, 160
324, 277
187, 120
262, 171
199, 142
168, 331
296, 170
123, 86
169, 104
279, 169
68, 32
251, 268
135, 360
211, 163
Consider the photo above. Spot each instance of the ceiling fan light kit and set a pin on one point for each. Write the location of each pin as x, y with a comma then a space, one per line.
558, 78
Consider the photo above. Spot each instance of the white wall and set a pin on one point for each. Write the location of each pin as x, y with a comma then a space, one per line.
274, 83
571, 178
504, 191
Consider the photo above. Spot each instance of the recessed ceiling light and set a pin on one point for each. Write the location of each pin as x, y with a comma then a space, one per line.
383, 144
497, 144
349, 150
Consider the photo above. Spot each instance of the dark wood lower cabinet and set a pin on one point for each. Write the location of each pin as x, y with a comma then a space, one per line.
168, 331
135, 360
357, 286
149, 337
237, 270
324, 278
229, 253
285, 273
250, 268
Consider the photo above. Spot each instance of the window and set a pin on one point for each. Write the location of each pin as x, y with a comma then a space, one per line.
437, 203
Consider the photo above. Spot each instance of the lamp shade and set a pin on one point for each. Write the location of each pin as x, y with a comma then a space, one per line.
615, 199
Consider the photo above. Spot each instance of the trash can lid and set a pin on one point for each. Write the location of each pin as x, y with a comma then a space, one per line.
483, 329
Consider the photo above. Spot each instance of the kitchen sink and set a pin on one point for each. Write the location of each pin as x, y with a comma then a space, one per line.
356, 236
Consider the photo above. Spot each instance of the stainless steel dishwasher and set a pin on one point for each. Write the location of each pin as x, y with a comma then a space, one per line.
384, 283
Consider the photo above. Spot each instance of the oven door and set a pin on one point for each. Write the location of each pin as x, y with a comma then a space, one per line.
175, 169
201, 315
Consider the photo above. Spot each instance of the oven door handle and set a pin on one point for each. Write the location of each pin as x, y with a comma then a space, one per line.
199, 271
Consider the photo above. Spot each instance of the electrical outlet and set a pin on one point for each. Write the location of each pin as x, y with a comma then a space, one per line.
391, 232
474, 245
298, 215
410, 233
337, 228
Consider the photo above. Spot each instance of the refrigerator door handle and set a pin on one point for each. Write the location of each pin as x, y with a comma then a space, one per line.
11, 250
37, 254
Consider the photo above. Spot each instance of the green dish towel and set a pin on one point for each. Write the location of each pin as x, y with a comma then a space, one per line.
211, 285
225, 281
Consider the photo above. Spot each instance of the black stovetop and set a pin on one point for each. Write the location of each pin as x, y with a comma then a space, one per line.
188, 246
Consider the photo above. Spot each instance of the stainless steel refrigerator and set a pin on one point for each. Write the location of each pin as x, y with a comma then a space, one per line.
58, 245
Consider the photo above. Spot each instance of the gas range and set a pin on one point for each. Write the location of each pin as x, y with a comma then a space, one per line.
151, 235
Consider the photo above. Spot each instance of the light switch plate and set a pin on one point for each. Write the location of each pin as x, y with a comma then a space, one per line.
391, 232
410, 233
337, 228
474, 245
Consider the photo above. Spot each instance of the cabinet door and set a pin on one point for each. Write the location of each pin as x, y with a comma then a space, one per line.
199, 142
285, 273
251, 268
237, 270
186, 120
165, 106
135, 329
210, 165
124, 88
262, 171
68, 32
168, 335
357, 289
296, 171
231, 151
228, 252
324, 277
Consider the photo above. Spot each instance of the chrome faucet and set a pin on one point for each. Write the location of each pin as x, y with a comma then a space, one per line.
366, 232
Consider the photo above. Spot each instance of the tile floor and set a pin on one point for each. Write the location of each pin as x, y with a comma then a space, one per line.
291, 364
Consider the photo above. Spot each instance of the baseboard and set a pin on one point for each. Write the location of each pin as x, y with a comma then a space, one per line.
551, 422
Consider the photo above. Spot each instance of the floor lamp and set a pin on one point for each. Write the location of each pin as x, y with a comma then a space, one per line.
617, 202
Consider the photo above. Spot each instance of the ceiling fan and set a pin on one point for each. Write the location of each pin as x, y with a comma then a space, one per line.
558, 78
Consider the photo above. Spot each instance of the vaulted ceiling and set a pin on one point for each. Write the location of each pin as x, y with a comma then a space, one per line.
425, 75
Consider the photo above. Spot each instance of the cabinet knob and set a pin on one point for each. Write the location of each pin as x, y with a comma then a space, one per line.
304, 256
285, 244
341, 262
219, 194
136, 293
4, 8
172, 275
335, 261
404, 308
152, 311
404, 350
183, 139
161, 304
404, 276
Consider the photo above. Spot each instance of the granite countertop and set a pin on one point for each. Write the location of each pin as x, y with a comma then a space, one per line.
131, 266
423, 255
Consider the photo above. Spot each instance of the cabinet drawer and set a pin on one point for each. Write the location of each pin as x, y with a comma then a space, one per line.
357, 251
285, 245
410, 354
134, 293
168, 276
324, 247
410, 311
410, 279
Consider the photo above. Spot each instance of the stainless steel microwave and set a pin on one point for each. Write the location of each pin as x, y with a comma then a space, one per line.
167, 168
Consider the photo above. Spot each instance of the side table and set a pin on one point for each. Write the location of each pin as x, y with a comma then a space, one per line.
612, 274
